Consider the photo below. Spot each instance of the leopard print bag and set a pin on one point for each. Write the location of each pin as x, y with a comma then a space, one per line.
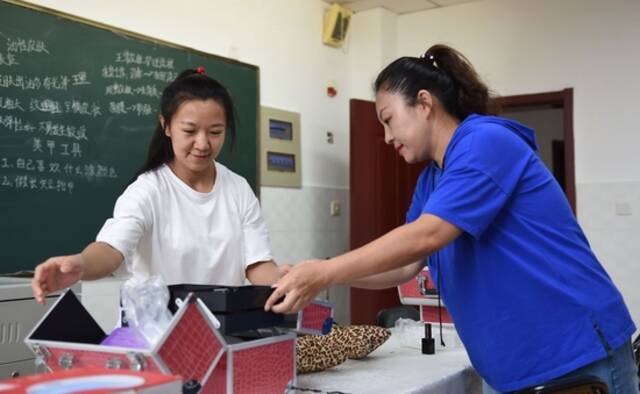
319, 352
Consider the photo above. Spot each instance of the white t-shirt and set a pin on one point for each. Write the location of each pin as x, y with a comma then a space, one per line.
164, 227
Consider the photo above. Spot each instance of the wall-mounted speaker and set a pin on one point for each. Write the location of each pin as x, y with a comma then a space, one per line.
336, 24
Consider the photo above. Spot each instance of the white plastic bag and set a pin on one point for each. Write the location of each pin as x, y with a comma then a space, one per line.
145, 301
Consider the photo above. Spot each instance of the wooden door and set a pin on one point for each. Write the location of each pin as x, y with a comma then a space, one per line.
381, 187
563, 153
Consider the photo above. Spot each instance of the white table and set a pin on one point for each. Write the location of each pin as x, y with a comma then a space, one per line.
395, 368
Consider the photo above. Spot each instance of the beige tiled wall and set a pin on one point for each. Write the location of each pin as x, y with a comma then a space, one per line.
301, 227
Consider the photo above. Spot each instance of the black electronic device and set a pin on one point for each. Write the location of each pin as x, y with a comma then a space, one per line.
237, 308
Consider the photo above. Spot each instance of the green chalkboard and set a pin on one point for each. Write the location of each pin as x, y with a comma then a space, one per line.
78, 104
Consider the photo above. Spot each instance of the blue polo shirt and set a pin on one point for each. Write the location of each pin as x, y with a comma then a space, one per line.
528, 297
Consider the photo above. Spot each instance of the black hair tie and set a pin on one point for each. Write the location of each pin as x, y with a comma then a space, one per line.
429, 59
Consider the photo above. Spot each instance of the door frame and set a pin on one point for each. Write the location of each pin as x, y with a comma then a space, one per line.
559, 99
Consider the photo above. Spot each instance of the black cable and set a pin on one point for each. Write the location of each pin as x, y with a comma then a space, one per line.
312, 390
305, 389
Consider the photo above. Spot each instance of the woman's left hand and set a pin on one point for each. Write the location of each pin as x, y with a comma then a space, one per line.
299, 286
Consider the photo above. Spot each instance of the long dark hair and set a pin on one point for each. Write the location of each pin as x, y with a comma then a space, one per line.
442, 71
189, 85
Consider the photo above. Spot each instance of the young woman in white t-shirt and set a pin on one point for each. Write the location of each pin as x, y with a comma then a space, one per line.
186, 217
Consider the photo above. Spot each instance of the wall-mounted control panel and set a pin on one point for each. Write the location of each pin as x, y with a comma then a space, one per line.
280, 148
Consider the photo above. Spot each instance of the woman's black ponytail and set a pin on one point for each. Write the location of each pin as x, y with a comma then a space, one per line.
442, 71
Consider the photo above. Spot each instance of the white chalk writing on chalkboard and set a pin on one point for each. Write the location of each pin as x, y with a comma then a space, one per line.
62, 148
134, 73
80, 79
68, 106
54, 161
47, 128
37, 183
8, 59
10, 104
124, 89
23, 82
88, 171
140, 109
22, 45
129, 57
54, 129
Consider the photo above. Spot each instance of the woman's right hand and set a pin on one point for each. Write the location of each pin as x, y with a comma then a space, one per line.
55, 274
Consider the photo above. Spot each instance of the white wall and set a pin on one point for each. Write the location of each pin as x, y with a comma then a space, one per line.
371, 45
521, 47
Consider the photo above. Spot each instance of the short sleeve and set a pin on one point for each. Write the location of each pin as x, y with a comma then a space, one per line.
468, 199
131, 218
481, 173
419, 196
256, 236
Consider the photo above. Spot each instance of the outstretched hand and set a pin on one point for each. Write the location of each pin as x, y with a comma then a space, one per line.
55, 274
299, 287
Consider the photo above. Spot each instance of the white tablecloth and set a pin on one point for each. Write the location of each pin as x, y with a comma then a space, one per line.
396, 368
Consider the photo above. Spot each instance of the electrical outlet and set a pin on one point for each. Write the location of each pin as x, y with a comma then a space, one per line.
334, 208
329, 137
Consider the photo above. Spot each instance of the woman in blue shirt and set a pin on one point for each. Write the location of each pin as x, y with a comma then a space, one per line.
528, 297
